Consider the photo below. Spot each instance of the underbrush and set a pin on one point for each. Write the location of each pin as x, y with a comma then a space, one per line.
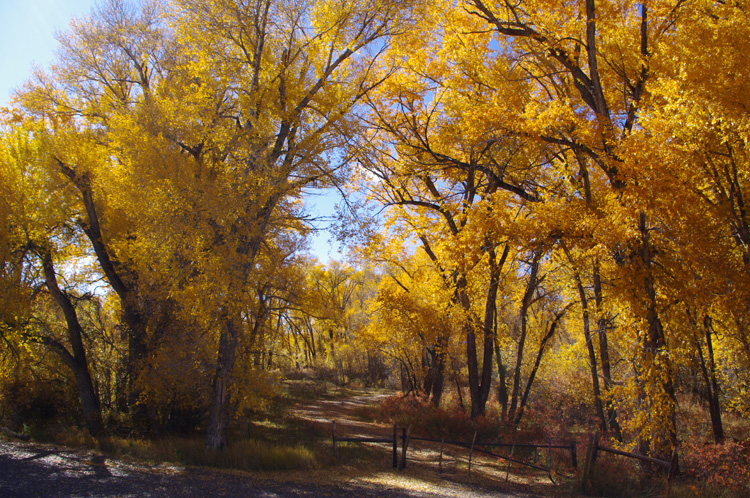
452, 420
242, 455
716, 470
617, 477
706, 469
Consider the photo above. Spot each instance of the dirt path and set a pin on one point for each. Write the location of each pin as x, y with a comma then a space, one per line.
321, 413
29, 470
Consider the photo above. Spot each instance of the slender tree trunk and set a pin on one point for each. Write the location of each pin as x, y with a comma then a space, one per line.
654, 347
602, 324
472, 362
479, 386
502, 387
531, 287
428, 364
438, 367
122, 282
590, 347
712, 386
439, 381
542, 346
76, 361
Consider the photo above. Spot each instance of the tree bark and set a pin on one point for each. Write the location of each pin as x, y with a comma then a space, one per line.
220, 411
589, 346
712, 386
76, 360
550, 333
531, 287
602, 324
122, 283
502, 388
655, 344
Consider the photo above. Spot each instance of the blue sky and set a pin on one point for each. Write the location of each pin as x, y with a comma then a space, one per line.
27, 38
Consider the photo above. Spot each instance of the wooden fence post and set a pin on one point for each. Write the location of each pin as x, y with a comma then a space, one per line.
512, 449
590, 458
471, 451
549, 459
406, 435
335, 442
573, 456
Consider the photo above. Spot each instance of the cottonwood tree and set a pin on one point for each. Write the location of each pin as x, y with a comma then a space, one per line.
221, 112
39, 239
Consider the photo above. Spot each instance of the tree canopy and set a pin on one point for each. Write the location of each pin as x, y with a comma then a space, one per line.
547, 184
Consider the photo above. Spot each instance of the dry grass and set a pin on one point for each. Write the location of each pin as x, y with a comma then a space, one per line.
243, 455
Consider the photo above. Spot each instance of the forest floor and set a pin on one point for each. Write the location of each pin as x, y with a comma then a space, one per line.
362, 470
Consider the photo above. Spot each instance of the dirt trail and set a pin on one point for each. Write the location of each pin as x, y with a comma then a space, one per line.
29, 470
321, 413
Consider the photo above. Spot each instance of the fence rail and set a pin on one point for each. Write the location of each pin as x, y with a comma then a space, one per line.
474, 446
594, 449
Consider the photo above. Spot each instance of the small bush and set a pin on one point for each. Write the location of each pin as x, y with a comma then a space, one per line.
614, 476
714, 467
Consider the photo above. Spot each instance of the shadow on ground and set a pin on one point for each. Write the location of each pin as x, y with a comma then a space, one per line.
29, 470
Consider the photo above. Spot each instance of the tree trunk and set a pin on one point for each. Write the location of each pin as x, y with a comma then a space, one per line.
121, 281
220, 410
602, 324
76, 361
550, 333
531, 287
590, 347
437, 380
654, 347
712, 386
502, 388
479, 386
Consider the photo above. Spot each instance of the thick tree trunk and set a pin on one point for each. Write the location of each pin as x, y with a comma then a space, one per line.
220, 410
76, 361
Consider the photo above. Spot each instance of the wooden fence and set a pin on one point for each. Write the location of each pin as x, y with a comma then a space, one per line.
474, 446
594, 448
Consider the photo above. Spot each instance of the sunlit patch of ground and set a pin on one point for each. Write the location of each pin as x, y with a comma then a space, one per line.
370, 463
